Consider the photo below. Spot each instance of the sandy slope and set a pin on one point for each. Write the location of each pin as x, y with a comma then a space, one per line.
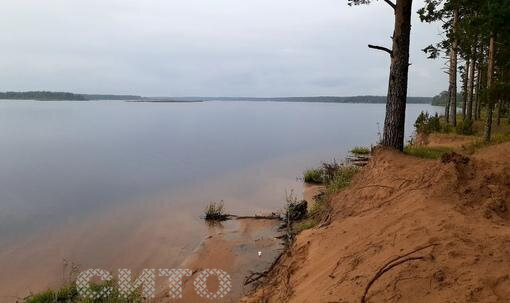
452, 213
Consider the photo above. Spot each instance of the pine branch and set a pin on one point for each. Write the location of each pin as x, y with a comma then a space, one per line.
389, 51
391, 4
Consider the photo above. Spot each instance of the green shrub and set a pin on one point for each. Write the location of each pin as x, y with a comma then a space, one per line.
314, 176
426, 124
426, 152
360, 150
464, 127
446, 128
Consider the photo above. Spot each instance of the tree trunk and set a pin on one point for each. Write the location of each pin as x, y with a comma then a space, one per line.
453, 72
479, 87
465, 87
471, 76
498, 112
397, 88
447, 108
490, 104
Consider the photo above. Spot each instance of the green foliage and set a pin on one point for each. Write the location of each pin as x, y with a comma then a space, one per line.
69, 294
426, 124
65, 294
314, 176
479, 144
360, 150
426, 152
465, 127
42, 95
446, 128
336, 178
215, 211
341, 178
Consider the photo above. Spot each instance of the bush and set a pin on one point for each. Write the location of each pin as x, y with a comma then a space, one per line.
314, 176
446, 128
426, 124
464, 127
215, 212
360, 150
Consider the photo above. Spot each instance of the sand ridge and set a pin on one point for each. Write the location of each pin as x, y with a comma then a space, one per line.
407, 230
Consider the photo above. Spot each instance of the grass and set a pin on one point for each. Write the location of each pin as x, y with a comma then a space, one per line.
426, 152
314, 176
69, 294
479, 144
215, 211
360, 150
339, 177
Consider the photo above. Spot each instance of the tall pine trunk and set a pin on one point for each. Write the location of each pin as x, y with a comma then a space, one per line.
453, 71
470, 82
397, 88
490, 103
479, 81
465, 87
498, 112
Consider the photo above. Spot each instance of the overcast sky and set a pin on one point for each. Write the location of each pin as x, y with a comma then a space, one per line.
207, 47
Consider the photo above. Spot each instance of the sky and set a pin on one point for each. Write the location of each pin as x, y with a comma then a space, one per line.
259, 48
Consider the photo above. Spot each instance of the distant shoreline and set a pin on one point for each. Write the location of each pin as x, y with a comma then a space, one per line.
65, 96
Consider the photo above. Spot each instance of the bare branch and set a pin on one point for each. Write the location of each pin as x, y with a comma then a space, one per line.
389, 51
391, 4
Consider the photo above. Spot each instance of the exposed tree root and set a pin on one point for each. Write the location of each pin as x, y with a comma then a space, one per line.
391, 264
255, 276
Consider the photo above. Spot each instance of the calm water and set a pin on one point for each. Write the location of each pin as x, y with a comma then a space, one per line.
123, 184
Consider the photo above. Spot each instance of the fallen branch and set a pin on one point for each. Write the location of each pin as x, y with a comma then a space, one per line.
256, 217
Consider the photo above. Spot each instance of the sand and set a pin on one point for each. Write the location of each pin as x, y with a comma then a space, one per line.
413, 230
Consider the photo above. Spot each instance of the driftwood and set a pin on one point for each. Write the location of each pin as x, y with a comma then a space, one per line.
226, 217
256, 217
358, 160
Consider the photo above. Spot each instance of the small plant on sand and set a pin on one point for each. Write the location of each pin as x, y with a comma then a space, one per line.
341, 178
70, 294
336, 178
360, 150
314, 176
330, 169
426, 152
215, 211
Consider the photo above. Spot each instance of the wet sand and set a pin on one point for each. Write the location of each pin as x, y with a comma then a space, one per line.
233, 247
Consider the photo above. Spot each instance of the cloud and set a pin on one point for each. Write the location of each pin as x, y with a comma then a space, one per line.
203, 47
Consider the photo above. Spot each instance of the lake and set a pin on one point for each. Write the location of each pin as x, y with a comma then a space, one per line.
112, 184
